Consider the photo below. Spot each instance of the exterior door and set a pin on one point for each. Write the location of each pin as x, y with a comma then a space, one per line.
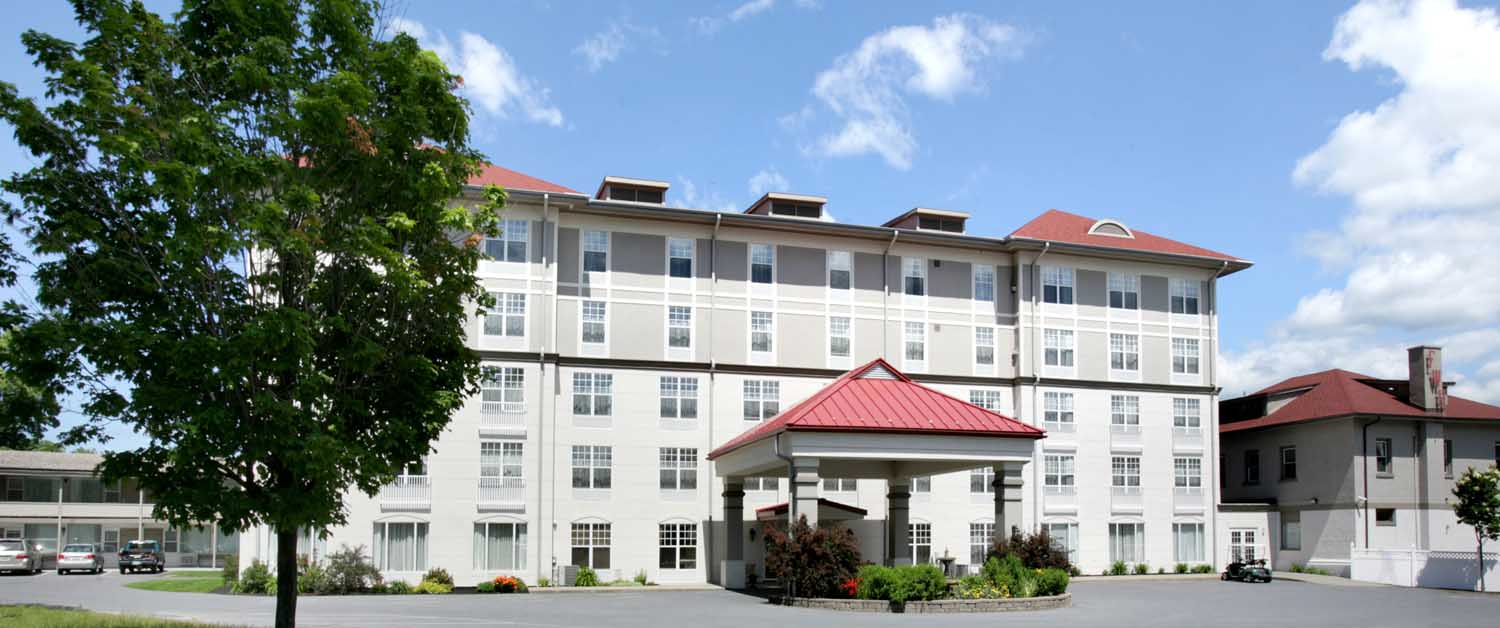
1242, 546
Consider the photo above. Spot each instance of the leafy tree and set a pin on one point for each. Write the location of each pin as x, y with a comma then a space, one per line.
248, 251
1478, 505
811, 563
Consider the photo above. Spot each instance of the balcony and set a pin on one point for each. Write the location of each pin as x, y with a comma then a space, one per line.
1060, 499
1125, 499
408, 492
505, 494
1125, 437
1187, 439
497, 417
1188, 500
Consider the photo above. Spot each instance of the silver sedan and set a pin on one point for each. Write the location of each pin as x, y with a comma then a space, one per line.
20, 555
80, 557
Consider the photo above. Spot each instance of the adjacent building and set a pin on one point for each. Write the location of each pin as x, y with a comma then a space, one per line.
1342, 460
630, 338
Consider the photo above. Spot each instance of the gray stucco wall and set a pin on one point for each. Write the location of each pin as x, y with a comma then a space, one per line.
635, 331
867, 272
1091, 292
1154, 293
800, 341
1156, 360
639, 254
801, 266
951, 280
567, 254
731, 265
1092, 356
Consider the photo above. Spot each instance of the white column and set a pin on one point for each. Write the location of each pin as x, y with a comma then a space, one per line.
899, 520
804, 499
732, 568
1009, 485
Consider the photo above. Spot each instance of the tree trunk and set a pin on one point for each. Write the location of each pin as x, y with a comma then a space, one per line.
1481, 563
286, 578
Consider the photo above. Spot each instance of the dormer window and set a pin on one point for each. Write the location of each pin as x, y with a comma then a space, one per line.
632, 190
933, 223
800, 210
789, 206
928, 219
1112, 228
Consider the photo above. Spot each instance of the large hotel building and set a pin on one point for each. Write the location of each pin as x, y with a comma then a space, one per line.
631, 338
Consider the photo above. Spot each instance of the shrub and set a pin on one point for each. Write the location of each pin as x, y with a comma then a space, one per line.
1317, 571
1203, 569
1117, 569
640, 577
438, 575
875, 582
436, 588
586, 577
1052, 581
1180, 568
381, 588
813, 563
900, 584
1161, 570
231, 570
1007, 574
485, 586
1036, 550
544, 582
974, 587
349, 571
1296, 568
508, 584
257, 580
313, 579
1142, 569
398, 587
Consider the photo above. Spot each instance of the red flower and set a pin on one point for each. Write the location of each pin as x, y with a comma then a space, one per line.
850, 587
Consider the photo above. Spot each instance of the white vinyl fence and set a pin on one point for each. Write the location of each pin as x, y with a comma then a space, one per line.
1433, 569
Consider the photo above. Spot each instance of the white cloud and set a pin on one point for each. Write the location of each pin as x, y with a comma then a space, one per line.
491, 79
603, 48
690, 197
867, 88
751, 8
708, 25
768, 180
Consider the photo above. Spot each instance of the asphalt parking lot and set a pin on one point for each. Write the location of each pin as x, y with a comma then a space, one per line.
1125, 602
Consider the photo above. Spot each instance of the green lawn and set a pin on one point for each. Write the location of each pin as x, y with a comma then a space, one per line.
183, 582
39, 617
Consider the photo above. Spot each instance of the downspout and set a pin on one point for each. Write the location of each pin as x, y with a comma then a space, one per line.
1364, 471
1036, 381
556, 374
1213, 410
541, 370
713, 281
885, 303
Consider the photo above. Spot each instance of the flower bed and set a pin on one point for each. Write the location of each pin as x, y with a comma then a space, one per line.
996, 605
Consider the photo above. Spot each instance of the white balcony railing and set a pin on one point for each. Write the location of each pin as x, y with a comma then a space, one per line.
407, 491
502, 491
1125, 498
502, 415
1059, 427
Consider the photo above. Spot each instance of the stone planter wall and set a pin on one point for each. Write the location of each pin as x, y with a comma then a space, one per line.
1002, 605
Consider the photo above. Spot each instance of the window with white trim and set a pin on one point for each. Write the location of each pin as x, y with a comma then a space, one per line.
1186, 414
984, 346
1057, 347
502, 459
987, 399
1057, 408
595, 251
1125, 472
677, 546
509, 316
762, 399
679, 468
1065, 535
1058, 472
1125, 412
981, 538
921, 484
762, 331
399, 546
593, 394
1187, 472
1184, 296
1291, 531
679, 397
1127, 542
112, 492
1185, 356
503, 391
1188, 542
680, 258
680, 326
1242, 545
1125, 352
1289, 461
840, 485
590, 545
762, 263
499, 546
982, 480
595, 317
510, 244
920, 535
984, 282
1383, 456
1124, 291
592, 466
840, 270
916, 341
914, 276
1057, 285
759, 483
839, 328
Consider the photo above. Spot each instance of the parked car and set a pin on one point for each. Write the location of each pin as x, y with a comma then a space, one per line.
142, 556
80, 557
22, 555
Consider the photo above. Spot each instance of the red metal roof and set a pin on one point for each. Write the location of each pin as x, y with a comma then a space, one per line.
781, 508
878, 398
1337, 392
1061, 226
512, 180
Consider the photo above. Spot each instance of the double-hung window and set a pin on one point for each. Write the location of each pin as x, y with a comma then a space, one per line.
679, 468
1185, 356
840, 485
984, 283
1124, 413
981, 537
503, 391
509, 316
762, 399
595, 320
1057, 410
838, 336
502, 459
982, 480
762, 332
916, 341
680, 258
1064, 535
984, 346
510, 244
921, 484
914, 276
761, 483
678, 546
840, 270
593, 394
1127, 542
921, 542
590, 545
987, 399
499, 546
1186, 414
1057, 285
1057, 347
1125, 352
1188, 542
679, 397
680, 326
592, 466
1125, 473
400, 546
595, 251
1187, 472
1058, 473
1124, 291
1184, 297
1447, 458
1383, 456
1252, 466
762, 263
1289, 463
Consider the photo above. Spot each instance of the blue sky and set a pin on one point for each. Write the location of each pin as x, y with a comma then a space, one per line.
1341, 147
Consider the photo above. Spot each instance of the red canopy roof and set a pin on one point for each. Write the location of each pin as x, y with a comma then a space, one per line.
783, 507
878, 398
1337, 392
1061, 226
512, 180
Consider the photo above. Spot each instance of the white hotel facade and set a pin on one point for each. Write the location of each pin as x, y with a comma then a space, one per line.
632, 338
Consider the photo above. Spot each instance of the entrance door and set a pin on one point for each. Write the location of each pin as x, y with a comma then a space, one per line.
1242, 547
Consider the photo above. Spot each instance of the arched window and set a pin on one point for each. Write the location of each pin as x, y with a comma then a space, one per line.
1112, 228
500, 544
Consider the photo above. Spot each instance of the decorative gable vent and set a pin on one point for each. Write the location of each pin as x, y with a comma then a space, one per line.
1112, 228
877, 372
632, 190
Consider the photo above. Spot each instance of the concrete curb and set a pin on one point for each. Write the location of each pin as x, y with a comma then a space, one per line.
1000, 605
669, 588
1149, 577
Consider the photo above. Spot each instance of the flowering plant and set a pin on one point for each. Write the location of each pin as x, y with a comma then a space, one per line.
850, 587
508, 584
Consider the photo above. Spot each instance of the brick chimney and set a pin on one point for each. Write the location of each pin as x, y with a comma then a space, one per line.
1425, 376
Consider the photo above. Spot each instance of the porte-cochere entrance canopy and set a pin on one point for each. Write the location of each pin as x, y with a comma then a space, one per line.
873, 422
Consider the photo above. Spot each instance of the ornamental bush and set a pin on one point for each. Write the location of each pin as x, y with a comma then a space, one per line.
812, 563
1203, 569
507, 584
231, 570
901, 584
1052, 582
398, 587
976, 587
1118, 568
586, 577
438, 575
257, 580
485, 586
350, 571
1008, 574
1036, 551
313, 579
436, 588
1181, 568
1142, 569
